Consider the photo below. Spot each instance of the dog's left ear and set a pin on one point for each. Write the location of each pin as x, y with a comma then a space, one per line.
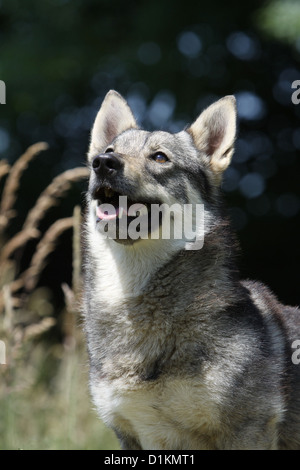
113, 118
214, 134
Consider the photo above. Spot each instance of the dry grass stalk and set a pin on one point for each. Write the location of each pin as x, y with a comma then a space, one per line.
69, 297
12, 182
7, 272
76, 279
32, 331
72, 294
14, 302
8, 311
24, 312
50, 195
43, 249
20, 239
47, 199
11, 279
4, 168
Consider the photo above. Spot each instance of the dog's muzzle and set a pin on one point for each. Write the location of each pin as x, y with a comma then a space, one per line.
107, 164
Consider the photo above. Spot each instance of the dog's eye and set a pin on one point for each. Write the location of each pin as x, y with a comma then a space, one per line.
160, 157
109, 150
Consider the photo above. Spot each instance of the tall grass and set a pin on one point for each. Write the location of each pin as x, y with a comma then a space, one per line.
44, 397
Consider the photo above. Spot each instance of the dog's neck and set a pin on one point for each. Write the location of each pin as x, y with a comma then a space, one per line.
123, 272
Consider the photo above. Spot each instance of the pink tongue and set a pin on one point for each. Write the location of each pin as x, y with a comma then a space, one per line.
107, 215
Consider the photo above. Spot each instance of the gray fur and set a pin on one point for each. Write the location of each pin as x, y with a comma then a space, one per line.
183, 355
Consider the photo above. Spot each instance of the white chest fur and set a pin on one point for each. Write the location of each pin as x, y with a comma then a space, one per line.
178, 414
123, 271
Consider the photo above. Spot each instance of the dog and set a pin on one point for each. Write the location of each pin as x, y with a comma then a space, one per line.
183, 354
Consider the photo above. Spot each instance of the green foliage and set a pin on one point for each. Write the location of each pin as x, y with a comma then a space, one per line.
281, 19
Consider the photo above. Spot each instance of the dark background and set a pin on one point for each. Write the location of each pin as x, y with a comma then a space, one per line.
170, 59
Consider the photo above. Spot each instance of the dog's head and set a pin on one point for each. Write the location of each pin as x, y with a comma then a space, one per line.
133, 170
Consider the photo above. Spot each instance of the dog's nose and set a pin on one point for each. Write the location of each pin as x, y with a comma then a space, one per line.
106, 164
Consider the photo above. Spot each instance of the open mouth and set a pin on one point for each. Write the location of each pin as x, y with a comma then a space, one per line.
113, 205
122, 218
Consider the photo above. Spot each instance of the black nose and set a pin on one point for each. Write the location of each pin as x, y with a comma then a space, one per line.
106, 164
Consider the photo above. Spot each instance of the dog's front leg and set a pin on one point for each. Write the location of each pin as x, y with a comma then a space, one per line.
127, 442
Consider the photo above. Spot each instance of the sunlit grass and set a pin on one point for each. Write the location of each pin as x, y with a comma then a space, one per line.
56, 413
44, 397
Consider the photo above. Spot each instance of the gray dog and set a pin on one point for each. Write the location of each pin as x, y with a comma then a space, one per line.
183, 354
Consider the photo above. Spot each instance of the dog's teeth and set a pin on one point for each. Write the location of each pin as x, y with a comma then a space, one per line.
108, 192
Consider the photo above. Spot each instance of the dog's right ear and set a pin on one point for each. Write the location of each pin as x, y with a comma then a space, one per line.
113, 118
214, 134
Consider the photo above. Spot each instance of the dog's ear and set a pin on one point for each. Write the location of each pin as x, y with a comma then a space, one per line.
113, 118
214, 134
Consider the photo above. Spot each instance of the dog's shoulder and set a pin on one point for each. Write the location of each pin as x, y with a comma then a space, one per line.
268, 304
